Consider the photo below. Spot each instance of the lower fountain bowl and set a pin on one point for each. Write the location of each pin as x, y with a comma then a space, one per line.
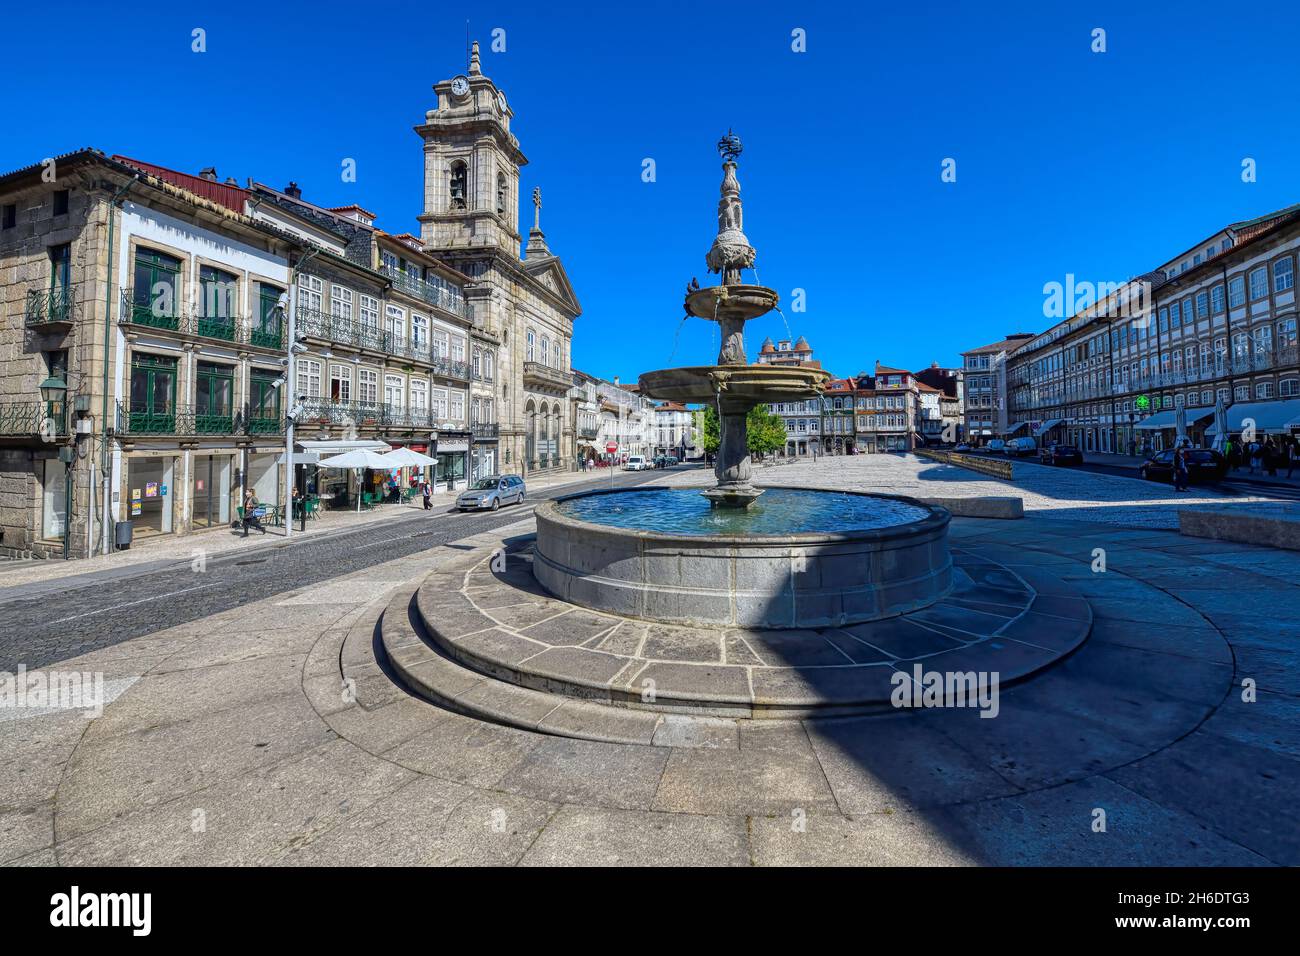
788, 580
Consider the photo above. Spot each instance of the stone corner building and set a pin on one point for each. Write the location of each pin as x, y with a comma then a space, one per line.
470, 220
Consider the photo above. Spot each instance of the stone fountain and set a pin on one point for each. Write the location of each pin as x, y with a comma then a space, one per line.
733, 386
797, 558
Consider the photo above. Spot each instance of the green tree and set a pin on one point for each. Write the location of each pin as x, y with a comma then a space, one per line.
766, 432
709, 430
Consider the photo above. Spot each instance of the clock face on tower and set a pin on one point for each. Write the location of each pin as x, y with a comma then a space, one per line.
460, 86
501, 101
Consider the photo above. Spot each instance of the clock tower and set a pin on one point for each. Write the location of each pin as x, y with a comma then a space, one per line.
471, 166
525, 306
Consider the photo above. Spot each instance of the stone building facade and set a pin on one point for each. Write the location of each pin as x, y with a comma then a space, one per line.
470, 220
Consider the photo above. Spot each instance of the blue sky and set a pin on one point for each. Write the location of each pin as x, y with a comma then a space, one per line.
1068, 161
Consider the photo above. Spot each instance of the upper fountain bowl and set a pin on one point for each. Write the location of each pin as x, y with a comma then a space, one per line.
743, 302
752, 384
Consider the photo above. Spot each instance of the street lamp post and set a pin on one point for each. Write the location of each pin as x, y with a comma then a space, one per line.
54, 392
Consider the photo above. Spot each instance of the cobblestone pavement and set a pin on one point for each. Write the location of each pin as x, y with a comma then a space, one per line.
50, 621
1051, 492
226, 739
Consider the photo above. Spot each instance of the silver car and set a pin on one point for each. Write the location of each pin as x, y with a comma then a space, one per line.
491, 493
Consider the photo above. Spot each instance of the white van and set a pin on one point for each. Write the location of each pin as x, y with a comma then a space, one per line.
995, 445
1018, 447
635, 463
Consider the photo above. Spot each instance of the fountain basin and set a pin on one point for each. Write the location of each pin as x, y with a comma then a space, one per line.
749, 385
793, 579
742, 302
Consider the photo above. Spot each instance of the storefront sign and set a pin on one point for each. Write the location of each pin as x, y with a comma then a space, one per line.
452, 446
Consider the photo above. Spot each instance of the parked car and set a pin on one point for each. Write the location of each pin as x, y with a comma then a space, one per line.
1203, 464
1060, 455
673, 460
962, 447
636, 463
1019, 447
995, 445
491, 493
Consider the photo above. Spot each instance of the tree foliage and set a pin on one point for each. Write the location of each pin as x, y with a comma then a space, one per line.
765, 432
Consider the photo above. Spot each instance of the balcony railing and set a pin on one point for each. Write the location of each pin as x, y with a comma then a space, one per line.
188, 421
52, 307
318, 411
229, 328
342, 330
483, 430
25, 418
539, 374
433, 294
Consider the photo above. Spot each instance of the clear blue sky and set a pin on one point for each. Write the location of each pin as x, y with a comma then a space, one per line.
1101, 165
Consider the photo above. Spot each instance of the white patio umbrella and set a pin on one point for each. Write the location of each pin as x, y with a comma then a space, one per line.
1220, 425
1180, 425
405, 458
358, 458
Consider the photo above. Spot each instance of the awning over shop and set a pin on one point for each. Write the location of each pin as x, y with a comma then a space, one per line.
1012, 429
1048, 425
1168, 419
1267, 416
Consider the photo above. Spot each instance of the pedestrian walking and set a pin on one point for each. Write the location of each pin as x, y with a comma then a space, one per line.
427, 494
1254, 457
1270, 456
1292, 457
1180, 468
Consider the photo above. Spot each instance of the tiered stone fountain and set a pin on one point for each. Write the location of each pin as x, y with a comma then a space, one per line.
733, 385
806, 559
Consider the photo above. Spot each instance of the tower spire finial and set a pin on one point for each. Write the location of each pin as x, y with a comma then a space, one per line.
537, 208
474, 69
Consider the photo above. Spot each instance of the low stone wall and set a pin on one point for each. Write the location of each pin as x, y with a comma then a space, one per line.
1278, 528
989, 466
985, 506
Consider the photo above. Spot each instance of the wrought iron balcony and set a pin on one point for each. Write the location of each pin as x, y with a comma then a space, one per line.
51, 308
450, 368
483, 430
25, 418
151, 419
434, 295
228, 328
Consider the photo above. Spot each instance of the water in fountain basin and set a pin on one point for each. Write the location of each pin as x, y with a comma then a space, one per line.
779, 511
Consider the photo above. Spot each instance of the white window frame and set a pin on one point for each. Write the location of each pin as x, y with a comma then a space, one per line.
368, 386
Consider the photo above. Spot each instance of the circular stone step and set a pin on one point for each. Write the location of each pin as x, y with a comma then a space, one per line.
495, 639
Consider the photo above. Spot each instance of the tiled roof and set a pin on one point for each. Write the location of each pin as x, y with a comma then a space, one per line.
352, 208
1007, 344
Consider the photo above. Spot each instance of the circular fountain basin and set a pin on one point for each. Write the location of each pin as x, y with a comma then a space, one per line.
796, 558
752, 384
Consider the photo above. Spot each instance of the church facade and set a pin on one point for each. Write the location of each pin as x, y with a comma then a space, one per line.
470, 220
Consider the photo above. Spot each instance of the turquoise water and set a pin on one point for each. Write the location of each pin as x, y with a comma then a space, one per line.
777, 511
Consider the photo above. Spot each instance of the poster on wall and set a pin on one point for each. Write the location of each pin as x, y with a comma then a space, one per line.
135, 508
135, 494
151, 489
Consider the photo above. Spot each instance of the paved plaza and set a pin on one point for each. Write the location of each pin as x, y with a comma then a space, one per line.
280, 730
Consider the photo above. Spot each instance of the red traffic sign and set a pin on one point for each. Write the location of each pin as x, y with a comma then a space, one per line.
611, 447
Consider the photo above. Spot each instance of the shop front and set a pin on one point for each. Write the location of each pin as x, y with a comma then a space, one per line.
149, 494
453, 461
